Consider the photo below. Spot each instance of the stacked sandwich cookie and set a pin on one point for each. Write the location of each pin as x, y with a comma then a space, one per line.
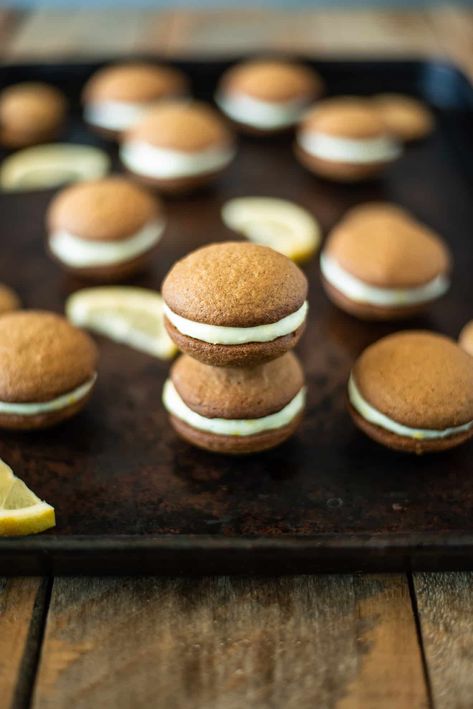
235, 310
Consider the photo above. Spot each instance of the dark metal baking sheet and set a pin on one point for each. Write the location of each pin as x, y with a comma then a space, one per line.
132, 498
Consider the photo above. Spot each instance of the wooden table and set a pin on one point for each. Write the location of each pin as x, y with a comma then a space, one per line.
403, 640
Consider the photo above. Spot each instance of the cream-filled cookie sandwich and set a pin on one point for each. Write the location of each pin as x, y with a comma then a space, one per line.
380, 263
47, 369
235, 304
266, 96
117, 96
413, 391
30, 113
104, 229
178, 146
345, 139
404, 116
235, 410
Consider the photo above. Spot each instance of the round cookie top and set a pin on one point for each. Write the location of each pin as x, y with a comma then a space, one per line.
235, 284
420, 379
137, 82
388, 249
273, 80
404, 116
344, 117
110, 209
8, 299
238, 393
465, 339
31, 106
42, 356
367, 211
181, 125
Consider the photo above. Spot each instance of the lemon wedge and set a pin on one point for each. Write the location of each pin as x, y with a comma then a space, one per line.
133, 316
46, 166
284, 226
21, 511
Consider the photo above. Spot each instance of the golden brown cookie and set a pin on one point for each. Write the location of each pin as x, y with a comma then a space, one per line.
116, 96
8, 300
380, 263
235, 410
105, 228
405, 117
266, 96
30, 113
47, 369
177, 145
465, 339
345, 139
413, 391
235, 304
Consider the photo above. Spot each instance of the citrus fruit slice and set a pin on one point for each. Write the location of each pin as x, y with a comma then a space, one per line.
284, 226
132, 316
21, 511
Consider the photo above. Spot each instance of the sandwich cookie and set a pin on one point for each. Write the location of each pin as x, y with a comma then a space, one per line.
47, 369
346, 140
115, 97
413, 391
8, 300
379, 263
177, 146
267, 96
405, 117
465, 339
105, 228
30, 113
235, 410
235, 304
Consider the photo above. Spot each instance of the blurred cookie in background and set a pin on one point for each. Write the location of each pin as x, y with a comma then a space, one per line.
115, 97
9, 300
30, 113
405, 117
266, 96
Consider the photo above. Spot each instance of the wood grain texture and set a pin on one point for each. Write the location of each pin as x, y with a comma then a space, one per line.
445, 606
324, 641
46, 34
22, 605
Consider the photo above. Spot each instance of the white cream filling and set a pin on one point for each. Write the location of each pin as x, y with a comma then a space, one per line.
114, 115
231, 427
163, 163
369, 413
350, 150
77, 252
260, 114
222, 335
361, 292
42, 407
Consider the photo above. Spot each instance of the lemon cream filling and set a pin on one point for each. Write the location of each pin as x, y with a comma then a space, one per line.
222, 335
77, 252
358, 151
43, 407
369, 413
114, 115
361, 292
231, 427
163, 163
260, 114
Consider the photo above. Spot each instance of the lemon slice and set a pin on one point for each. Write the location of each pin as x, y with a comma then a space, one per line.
21, 511
46, 166
133, 316
282, 225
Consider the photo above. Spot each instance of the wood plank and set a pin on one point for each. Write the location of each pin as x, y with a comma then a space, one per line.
445, 606
297, 642
322, 32
48, 35
22, 607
